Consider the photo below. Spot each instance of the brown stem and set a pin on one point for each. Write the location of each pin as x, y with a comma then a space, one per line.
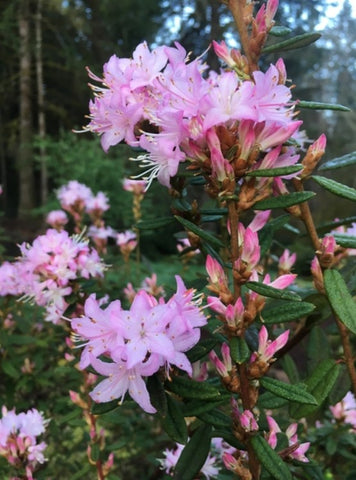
307, 216
236, 7
349, 360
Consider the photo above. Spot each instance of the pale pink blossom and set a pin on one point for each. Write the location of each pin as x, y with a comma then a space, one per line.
266, 347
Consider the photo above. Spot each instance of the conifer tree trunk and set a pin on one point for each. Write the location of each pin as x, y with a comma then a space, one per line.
41, 103
25, 154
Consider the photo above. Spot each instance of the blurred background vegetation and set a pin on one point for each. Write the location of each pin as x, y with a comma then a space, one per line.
45, 46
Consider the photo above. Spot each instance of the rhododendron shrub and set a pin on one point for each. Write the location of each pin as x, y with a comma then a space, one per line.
240, 367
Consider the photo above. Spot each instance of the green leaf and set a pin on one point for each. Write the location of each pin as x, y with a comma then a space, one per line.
216, 417
319, 384
290, 368
339, 162
340, 298
201, 349
294, 393
271, 461
293, 43
157, 394
287, 312
195, 408
266, 235
345, 241
326, 227
239, 350
208, 237
336, 188
279, 31
267, 291
270, 401
322, 106
214, 211
194, 454
341, 386
318, 348
275, 172
283, 201
154, 223
188, 388
173, 421
10, 370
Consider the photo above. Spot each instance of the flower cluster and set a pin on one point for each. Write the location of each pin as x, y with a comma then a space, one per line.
191, 114
18, 439
47, 268
295, 450
150, 335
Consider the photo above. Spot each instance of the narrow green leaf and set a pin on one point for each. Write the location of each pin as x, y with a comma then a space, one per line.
293, 43
173, 421
95, 452
336, 188
279, 31
290, 369
287, 312
154, 223
340, 298
275, 172
322, 106
214, 211
318, 348
195, 408
239, 350
270, 459
201, 349
339, 162
208, 237
157, 394
319, 384
187, 388
283, 201
9, 368
294, 393
267, 291
194, 454
326, 227
216, 417
270, 401
345, 241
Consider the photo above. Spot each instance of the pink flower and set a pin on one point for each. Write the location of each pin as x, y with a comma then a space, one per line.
286, 261
223, 367
345, 411
120, 380
137, 187
57, 219
267, 348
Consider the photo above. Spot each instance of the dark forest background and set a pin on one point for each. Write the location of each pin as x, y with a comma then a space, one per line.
46, 45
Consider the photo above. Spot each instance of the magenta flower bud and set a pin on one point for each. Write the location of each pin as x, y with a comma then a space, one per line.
260, 220
328, 245
218, 364
221, 168
248, 421
286, 261
215, 271
225, 352
223, 52
230, 462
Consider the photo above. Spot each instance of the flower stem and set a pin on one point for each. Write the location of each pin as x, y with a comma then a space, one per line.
349, 359
307, 216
